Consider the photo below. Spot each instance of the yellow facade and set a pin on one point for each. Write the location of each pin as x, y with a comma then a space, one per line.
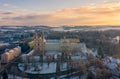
74, 41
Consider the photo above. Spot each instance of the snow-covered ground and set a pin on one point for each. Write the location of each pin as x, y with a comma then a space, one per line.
73, 77
2, 44
113, 64
62, 29
78, 57
15, 77
38, 68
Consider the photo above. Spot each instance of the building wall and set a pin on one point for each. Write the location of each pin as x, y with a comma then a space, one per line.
52, 46
57, 46
10, 55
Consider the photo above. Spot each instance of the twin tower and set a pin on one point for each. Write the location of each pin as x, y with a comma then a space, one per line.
39, 45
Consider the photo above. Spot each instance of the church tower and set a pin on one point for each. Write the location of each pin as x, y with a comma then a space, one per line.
39, 44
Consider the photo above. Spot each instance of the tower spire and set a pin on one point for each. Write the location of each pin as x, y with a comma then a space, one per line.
64, 37
42, 35
36, 36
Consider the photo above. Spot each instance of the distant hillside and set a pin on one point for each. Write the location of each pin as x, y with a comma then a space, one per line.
86, 28
60, 29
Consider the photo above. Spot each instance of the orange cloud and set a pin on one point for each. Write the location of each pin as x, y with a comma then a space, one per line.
106, 14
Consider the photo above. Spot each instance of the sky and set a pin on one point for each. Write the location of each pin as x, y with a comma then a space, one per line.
59, 12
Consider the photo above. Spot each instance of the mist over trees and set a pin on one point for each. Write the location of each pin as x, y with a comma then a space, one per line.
100, 40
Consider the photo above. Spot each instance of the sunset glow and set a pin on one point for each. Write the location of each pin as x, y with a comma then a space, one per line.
79, 13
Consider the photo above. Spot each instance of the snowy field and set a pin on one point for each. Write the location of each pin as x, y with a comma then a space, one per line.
113, 64
45, 69
38, 69
62, 29
15, 77
34, 66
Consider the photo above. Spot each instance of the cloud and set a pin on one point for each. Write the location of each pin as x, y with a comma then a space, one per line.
17, 8
106, 14
5, 12
10, 6
6, 5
